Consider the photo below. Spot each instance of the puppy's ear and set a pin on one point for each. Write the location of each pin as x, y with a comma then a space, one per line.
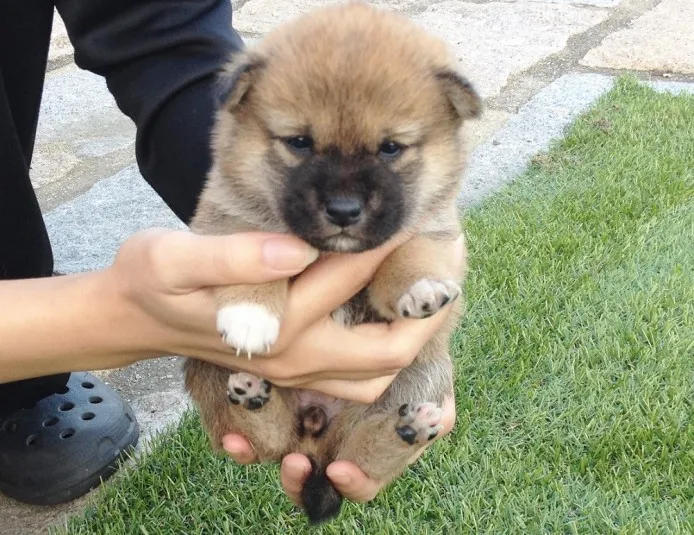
460, 93
234, 83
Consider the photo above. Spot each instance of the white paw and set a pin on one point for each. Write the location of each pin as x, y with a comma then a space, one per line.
248, 327
426, 296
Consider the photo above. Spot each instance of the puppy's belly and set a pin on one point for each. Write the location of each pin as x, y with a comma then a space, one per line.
310, 398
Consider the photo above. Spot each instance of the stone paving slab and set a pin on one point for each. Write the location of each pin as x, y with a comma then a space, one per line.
493, 40
537, 123
660, 40
60, 51
87, 231
496, 40
81, 136
257, 17
593, 3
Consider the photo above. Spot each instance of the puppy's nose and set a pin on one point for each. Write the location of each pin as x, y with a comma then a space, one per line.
343, 211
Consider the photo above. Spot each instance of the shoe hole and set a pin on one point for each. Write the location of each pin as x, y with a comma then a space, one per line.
63, 390
87, 385
32, 440
88, 416
67, 433
9, 426
66, 406
50, 421
95, 399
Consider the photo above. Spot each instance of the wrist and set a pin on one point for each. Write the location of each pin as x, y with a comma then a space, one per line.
137, 335
63, 324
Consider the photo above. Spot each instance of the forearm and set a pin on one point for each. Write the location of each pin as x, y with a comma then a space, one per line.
61, 324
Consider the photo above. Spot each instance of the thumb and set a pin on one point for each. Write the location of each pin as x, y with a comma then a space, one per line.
186, 260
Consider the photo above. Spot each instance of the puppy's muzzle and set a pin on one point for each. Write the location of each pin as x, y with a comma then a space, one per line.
343, 211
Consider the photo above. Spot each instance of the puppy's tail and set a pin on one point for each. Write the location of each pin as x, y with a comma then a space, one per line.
319, 497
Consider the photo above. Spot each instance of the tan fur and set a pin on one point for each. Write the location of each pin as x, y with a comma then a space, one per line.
353, 76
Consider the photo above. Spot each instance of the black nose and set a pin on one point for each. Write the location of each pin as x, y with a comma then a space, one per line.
343, 211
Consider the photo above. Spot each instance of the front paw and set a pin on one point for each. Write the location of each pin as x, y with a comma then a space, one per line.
248, 327
426, 297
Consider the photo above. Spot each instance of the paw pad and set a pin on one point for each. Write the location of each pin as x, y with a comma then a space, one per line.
248, 390
418, 423
426, 297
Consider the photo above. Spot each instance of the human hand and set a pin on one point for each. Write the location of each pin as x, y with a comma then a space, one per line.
166, 277
348, 478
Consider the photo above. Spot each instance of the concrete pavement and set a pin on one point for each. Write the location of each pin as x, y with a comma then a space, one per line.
537, 63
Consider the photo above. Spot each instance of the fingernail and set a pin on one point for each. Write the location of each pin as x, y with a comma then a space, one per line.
286, 254
341, 478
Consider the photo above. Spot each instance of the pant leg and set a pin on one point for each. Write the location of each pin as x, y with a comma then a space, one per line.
25, 29
25, 249
160, 61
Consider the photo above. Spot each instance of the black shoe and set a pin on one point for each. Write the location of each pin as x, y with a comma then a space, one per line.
67, 444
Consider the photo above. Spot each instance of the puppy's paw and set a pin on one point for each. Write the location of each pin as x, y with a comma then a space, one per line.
426, 296
248, 327
248, 390
418, 423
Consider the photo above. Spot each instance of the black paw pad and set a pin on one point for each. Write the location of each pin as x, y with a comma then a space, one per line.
233, 400
407, 434
255, 403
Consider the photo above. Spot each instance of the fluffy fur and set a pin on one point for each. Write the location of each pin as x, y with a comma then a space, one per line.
342, 127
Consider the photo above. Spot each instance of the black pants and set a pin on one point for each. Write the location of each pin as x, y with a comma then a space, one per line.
159, 60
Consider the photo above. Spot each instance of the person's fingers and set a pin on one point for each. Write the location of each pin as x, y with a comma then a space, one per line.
293, 472
352, 482
329, 355
239, 449
243, 258
395, 345
345, 275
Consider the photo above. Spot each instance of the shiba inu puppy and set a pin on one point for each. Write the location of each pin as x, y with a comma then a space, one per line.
342, 127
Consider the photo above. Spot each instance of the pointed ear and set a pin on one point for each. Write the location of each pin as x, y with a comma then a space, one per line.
460, 93
234, 83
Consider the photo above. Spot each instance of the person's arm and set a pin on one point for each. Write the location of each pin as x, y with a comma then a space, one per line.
86, 321
159, 61
156, 299
60, 324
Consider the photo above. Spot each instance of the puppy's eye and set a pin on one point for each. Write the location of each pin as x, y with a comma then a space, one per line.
299, 143
389, 149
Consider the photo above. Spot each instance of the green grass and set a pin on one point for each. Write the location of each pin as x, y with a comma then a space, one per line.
575, 362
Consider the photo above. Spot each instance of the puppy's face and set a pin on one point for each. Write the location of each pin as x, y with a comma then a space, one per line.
344, 124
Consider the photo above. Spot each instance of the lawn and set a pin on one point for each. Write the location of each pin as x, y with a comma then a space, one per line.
575, 364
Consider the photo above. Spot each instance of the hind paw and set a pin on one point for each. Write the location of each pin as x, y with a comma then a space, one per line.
248, 390
418, 423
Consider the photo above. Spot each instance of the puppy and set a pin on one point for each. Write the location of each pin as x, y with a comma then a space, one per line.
342, 127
